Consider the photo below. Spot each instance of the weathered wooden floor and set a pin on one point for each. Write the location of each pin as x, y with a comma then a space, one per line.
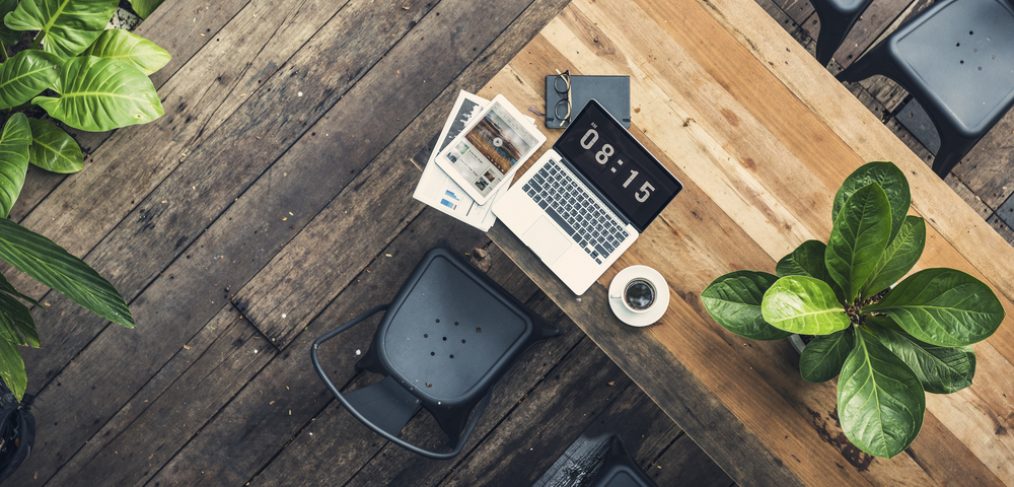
271, 203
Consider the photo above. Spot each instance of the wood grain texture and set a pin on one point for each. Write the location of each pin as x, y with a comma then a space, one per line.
762, 136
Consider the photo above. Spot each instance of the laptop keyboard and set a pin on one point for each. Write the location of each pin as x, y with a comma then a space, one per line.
561, 195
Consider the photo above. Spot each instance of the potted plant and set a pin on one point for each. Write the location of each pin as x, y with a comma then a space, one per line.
60, 67
887, 344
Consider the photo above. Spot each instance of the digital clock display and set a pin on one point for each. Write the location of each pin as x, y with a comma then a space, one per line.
618, 165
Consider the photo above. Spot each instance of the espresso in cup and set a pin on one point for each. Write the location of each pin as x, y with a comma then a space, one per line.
639, 295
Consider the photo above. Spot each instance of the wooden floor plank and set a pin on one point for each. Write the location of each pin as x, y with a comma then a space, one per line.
532, 437
223, 74
206, 372
183, 39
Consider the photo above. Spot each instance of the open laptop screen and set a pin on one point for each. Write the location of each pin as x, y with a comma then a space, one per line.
618, 165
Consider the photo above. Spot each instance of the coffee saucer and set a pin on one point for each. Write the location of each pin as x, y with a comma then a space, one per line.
648, 316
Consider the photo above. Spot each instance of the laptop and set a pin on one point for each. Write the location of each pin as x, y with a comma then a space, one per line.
585, 202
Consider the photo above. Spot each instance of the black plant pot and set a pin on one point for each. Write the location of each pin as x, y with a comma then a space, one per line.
17, 432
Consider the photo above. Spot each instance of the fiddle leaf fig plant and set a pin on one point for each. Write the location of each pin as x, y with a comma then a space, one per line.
887, 343
61, 67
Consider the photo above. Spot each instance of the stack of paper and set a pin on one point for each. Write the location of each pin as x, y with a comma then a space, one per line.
438, 190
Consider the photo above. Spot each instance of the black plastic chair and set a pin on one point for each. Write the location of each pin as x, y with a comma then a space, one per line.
836, 20
957, 60
443, 343
599, 461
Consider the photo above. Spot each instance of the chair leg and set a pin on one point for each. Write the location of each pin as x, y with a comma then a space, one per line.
952, 150
872, 63
829, 39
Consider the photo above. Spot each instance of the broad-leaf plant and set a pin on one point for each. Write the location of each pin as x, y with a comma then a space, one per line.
61, 67
887, 343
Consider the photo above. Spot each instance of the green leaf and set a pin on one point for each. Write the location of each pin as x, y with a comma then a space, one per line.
806, 260
144, 8
16, 323
880, 400
890, 179
68, 26
127, 46
899, 257
733, 301
53, 149
8, 288
804, 305
98, 95
858, 238
14, 142
943, 307
824, 355
45, 261
12, 369
941, 370
25, 75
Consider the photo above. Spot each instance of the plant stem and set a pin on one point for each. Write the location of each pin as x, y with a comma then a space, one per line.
3, 51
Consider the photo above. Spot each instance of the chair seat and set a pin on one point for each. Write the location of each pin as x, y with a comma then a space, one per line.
447, 335
961, 57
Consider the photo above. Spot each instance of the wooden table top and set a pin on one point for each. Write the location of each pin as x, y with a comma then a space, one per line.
761, 136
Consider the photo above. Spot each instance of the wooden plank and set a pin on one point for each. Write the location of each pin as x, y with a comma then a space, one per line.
163, 225
265, 416
684, 463
988, 170
224, 74
586, 392
703, 107
182, 27
85, 404
204, 374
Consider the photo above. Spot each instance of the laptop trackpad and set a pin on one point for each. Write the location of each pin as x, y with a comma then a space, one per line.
547, 240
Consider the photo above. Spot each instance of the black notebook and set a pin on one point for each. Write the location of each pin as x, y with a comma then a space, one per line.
612, 92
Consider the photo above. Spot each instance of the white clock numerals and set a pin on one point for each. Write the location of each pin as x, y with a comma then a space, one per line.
589, 138
633, 174
644, 193
603, 155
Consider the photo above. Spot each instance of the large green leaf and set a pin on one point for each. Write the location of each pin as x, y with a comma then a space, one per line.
801, 304
25, 75
144, 8
890, 179
127, 46
880, 400
68, 26
941, 370
99, 94
16, 323
45, 261
12, 369
943, 307
900, 255
824, 355
53, 149
14, 142
858, 238
734, 299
